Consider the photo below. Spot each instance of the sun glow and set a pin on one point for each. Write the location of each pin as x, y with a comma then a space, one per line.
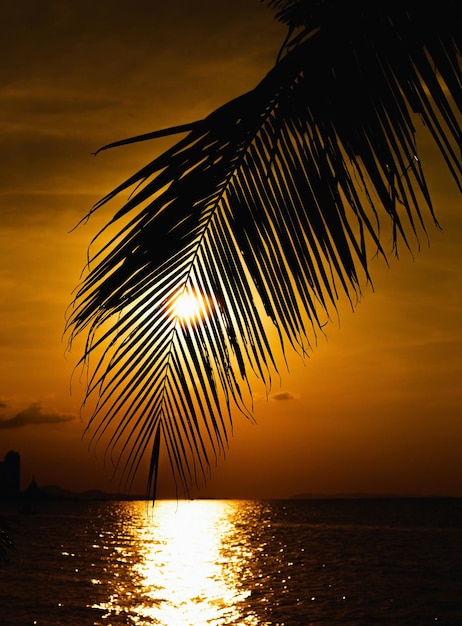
191, 306
188, 307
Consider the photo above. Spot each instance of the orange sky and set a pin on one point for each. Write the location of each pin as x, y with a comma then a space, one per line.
378, 406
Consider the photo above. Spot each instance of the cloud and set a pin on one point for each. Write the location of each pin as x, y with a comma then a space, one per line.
284, 395
33, 416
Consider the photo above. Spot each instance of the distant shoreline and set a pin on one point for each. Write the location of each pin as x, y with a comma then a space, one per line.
52, 493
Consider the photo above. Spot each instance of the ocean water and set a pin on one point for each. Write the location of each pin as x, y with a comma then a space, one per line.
222, 562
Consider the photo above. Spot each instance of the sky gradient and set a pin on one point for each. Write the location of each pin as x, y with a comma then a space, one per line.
376, 408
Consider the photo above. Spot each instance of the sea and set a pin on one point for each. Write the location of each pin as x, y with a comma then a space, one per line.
348, 562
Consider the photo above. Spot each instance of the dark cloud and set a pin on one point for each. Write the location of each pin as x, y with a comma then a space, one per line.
32, 416
284, 395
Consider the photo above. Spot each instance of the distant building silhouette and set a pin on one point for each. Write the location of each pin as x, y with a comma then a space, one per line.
10, 471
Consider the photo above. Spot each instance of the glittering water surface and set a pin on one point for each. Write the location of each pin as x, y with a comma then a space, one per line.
222, 562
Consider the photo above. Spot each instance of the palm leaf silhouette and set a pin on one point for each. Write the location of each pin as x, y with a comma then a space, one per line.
269, 209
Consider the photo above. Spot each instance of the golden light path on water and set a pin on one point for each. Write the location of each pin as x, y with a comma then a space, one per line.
188, 564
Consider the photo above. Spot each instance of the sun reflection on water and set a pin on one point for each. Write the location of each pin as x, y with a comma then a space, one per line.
188, 565
184, 562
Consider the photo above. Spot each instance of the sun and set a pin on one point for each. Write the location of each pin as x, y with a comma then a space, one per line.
189, 307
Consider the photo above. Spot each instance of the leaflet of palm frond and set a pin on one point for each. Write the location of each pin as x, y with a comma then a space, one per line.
418, 42
279, 195
157, 392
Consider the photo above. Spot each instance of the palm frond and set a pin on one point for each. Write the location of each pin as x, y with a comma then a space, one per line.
269, 208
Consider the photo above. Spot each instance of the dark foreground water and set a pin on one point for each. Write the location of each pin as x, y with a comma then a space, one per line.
222, 562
